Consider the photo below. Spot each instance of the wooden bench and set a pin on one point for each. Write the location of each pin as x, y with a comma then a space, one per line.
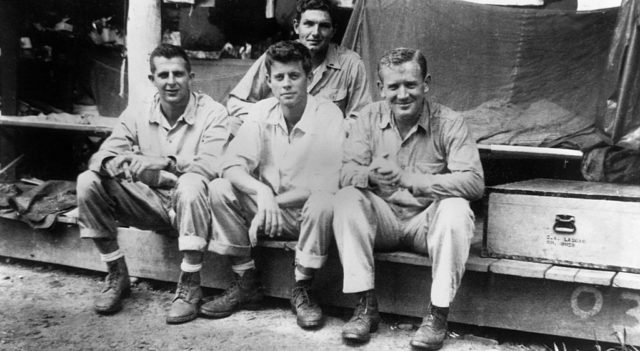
501, 293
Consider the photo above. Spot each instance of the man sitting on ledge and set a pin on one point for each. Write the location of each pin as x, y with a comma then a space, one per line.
152, 173
279, 176
410, 169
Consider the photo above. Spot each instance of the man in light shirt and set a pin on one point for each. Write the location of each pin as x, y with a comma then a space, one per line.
338, 74
410, 169
279, 176
152, 173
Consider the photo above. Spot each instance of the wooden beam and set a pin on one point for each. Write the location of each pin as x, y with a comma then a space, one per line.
143, 35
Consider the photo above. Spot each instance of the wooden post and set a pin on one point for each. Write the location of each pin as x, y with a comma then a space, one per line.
143, 35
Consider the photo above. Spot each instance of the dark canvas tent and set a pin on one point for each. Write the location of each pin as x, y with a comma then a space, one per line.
521, 76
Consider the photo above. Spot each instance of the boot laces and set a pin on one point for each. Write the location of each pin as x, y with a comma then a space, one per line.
301, 296
362, 309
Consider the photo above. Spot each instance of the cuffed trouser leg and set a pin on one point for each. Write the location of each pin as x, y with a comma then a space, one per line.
193, 213
362, 222
445, 234
229, 222
315, 231
102, 200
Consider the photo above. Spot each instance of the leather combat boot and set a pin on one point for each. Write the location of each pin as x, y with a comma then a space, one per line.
305, 306
433, 330
116, 287
184, 307
365, 319
244, 293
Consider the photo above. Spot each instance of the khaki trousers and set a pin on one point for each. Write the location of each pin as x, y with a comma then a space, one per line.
234, 210
364, 222
105, 203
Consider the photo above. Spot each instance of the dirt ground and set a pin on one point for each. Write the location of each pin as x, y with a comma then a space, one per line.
45, 307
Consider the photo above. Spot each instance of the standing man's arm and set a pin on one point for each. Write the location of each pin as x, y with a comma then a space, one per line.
359, 92
251, 89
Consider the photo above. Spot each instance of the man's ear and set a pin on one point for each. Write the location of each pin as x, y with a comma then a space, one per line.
150, 78
380, 86
427, 83
192, 75
295, 25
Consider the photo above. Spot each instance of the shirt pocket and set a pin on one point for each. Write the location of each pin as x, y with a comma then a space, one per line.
339, 97
429, 167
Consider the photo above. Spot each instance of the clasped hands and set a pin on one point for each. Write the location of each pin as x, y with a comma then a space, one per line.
384, 172
132, 166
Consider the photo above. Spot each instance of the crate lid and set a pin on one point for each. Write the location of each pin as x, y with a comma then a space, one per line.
571, 188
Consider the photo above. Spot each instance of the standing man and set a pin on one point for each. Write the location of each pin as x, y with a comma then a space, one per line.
338, 73
152, 173
280, 173
409, 172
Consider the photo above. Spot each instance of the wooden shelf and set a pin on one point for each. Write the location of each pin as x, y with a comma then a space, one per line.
70, 122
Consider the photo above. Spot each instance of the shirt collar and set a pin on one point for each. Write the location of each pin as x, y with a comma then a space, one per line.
332, 58
188, 116
306, 122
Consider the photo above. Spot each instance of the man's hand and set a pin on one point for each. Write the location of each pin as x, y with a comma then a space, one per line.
132, 166
384, 172
268, 217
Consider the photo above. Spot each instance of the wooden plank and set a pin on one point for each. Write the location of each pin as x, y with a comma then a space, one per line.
531, 152
627, 280
594, 277
479, 264
520, 268
561, 273
404, 257
571, 188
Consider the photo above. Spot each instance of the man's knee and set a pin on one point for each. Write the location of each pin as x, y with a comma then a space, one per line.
87, 182
191, 187
347, 198
220, 191
319, 205
455, 214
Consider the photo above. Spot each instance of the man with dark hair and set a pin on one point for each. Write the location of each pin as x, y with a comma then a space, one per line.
410, 169
152, 173
279, 176
338, 74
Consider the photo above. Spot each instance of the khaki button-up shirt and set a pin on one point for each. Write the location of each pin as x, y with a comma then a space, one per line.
341, 78
309, 157
439, 148
196, 140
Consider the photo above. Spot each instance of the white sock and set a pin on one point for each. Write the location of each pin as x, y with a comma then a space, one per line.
301, 276
190, 268
239, 269
110, 257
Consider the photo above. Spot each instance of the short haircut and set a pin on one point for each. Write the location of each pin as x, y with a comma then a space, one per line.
322, 5
288, 51
399, 56
169, 51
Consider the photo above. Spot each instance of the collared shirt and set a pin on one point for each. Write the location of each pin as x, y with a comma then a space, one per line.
196, 140
341, 78
307, 158
439, 149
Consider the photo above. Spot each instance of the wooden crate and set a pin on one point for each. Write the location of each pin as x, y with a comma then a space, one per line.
584, 224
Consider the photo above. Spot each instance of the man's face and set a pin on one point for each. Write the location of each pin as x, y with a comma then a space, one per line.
288, 82
172, 79
403, 87
314, 30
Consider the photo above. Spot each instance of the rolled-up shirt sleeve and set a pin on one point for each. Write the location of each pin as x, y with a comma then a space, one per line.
357, 153
465, 177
